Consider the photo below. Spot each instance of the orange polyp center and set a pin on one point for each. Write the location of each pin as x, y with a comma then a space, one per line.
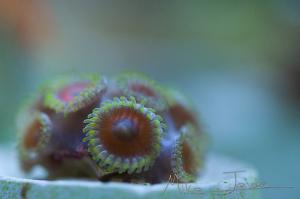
188, 160
141, 88
125, 129
182, 116
126, 132
32, 135
67, 93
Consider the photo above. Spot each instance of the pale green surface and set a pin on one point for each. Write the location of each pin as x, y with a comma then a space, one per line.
13, 184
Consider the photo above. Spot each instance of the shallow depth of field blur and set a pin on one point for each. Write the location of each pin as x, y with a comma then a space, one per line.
239, 62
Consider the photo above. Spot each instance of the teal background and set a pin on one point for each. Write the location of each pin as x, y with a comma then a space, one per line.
225, 56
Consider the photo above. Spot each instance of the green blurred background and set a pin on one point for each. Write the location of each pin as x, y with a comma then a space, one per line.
238, 61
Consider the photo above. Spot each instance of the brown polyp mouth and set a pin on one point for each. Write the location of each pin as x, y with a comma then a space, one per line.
126, 132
